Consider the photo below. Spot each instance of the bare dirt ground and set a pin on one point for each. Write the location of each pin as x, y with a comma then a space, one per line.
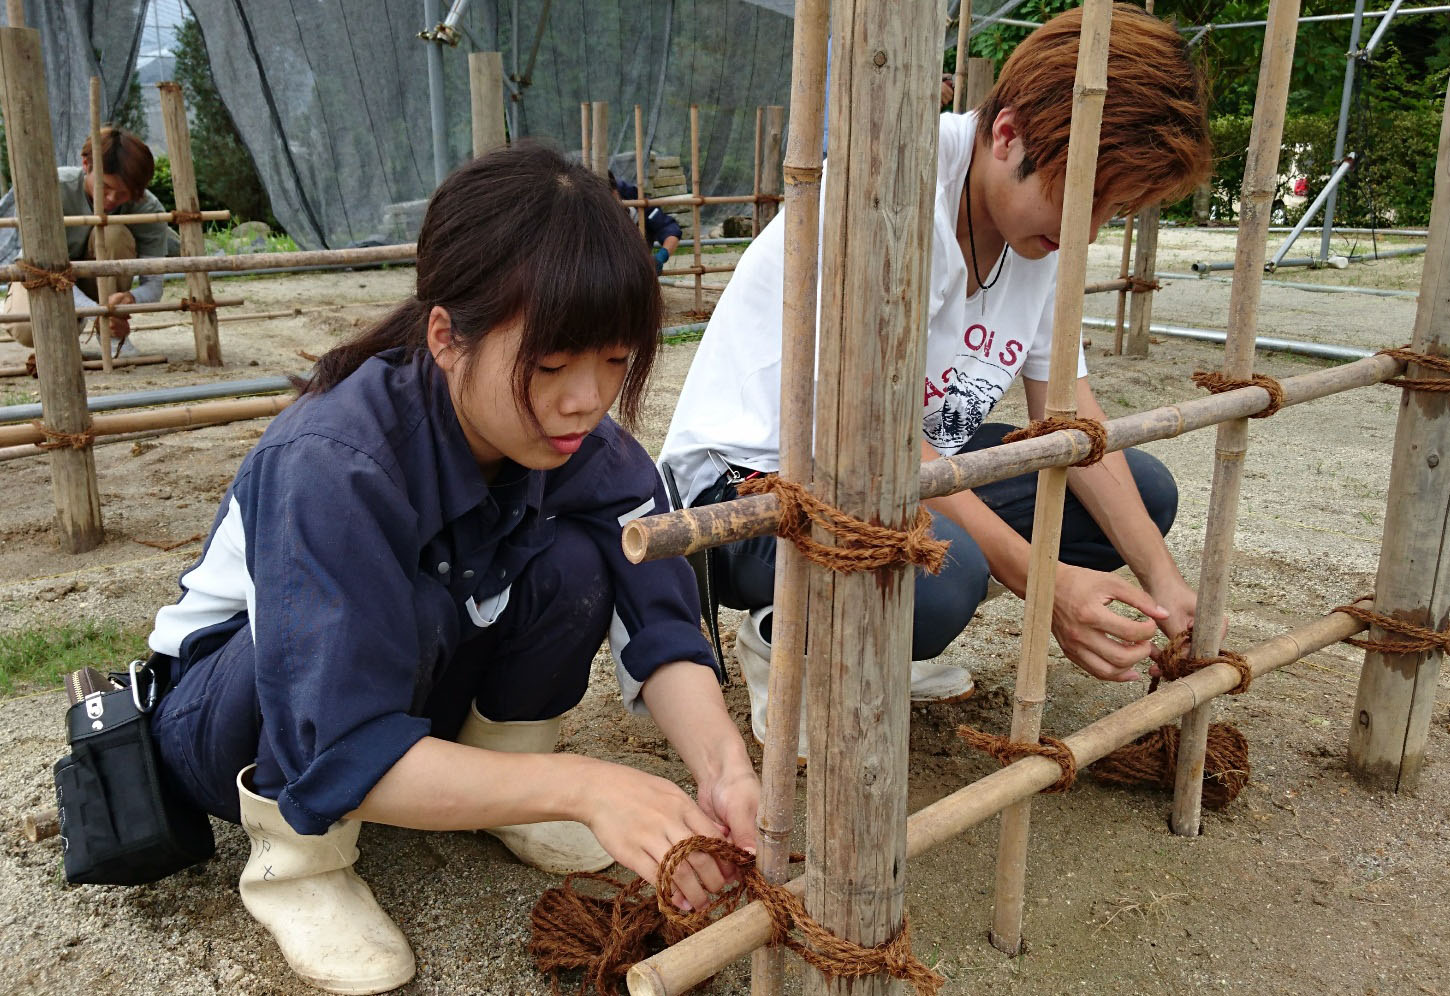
1307, 884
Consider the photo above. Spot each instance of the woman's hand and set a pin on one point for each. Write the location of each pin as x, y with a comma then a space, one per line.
1103, 643
638, 817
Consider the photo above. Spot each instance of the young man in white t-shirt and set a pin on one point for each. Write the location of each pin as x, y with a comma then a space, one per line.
997, 222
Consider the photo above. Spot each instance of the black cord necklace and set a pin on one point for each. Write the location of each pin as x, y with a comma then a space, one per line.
972, 240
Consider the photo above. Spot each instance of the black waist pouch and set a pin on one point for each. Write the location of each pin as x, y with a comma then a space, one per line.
120, 822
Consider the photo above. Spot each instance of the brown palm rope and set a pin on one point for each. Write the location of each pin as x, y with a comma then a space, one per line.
1152, 759
1218, 383
56, 280
1407, 354
192, 304
1005, 750
185, 217
55, 439
1138, 285
1420, 639
1096, 432
606, 935
1177, 664
864, 545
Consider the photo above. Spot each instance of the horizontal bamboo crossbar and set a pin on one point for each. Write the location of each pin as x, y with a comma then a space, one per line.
93, 220
675, 200
228, 264
150, 307
697, 269
701, 955
1104, 286
689, 530
208, 413
149, 359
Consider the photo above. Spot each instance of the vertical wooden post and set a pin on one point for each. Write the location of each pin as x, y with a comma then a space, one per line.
15, 13
770, 161
1145, 261
643, 210
695, 203
105, 286
755, 224
1123, 264
885, 79
485, 87
1089, 90
599, 133
1257, 197
964, 52
802, 175
193, 237
586, 148
52, 312
1397, 691
981, 75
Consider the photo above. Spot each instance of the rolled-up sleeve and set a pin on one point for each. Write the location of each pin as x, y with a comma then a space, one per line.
331, 550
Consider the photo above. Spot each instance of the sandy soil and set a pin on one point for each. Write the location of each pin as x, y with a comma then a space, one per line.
1307, 884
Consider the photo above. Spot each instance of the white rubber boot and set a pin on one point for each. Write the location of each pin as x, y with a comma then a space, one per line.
302, 888
931, 681
558, 847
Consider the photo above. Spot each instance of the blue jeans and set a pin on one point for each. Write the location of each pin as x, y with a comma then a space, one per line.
525, 666
744, 572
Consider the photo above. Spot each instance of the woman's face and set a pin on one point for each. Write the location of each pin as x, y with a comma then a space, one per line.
570, 394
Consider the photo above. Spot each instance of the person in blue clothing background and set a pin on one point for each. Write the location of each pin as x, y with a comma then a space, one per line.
410, 574
661, 231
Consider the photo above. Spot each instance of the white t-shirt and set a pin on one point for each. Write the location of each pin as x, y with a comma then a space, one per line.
729, 408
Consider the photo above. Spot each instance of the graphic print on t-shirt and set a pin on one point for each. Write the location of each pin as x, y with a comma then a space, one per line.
957, 403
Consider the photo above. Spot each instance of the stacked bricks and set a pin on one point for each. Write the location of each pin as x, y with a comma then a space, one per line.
666, 178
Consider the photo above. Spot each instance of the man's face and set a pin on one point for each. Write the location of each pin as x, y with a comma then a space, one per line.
117, 193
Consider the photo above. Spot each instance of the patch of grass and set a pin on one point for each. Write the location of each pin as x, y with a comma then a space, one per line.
39, 658
15, 396
226, 239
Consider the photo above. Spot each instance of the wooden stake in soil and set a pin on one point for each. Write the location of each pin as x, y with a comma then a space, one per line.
1260, 171
641, 211
695, 208
586, 148
1145, 261
57, 348
1396, 694
964, 46
981, 74
105, 286
1089, 90
802, 174
770, 177
599, 135
485, 79
1123, 294
873, 304
755, 224
193, 238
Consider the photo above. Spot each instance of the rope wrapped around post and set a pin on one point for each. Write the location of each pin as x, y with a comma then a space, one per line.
1139, 286
1217, 383
57, 280
1177, 664
1096, 432
864, 545
1420, 639
55, 439
186, 217
1407, 354
192, 304
1005, 751
605, 935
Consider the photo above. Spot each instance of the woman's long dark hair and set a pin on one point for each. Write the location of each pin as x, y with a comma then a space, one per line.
523, 234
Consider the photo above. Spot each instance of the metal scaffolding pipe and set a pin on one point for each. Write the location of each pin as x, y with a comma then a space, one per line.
1379, 32
1203, 266
1315, 349
435, 92
1323, 288
1325, 194
1351, 61
161, 396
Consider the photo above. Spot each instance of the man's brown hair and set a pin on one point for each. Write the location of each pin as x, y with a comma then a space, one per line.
126, 156
1154, 144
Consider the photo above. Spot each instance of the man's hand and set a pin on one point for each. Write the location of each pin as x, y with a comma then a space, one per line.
1103, 643
1181, 601
120, 324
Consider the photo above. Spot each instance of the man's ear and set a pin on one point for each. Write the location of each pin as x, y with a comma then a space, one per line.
1004, 133
440, 338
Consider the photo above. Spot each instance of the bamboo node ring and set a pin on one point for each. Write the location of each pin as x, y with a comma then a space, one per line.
1407, 354
1096, 432
1217, 383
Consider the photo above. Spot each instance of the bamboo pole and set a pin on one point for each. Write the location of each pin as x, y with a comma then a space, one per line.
16, 317
680, 200
150, 359
755, 225
599, 134
770, 178
689, 530
697, 270
697, 235
143, 218
981, 75
253, 316
701, 955
1089, 90
1396, 694
105, 286
586, 147
230, 264
964, 52
873, 304
206, 413
1107, 286
640, 212
485, 90
1123, 265
57, 350
193, 239
1260, 170
801, 173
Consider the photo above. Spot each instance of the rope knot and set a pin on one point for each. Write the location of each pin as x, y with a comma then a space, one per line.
863, 546
55, 439
1419, 639
1004, 751
1217, 383
60, 281
192, 304
1440, 363
1096, 432
1177, 663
